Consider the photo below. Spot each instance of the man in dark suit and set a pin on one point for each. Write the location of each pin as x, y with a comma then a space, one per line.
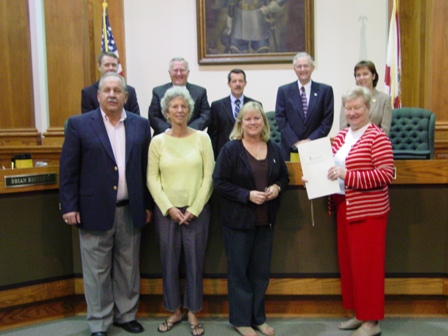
200, 117
225, 110
107, 62
304, 109
103, 192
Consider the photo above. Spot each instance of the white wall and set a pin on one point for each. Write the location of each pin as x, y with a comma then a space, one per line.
157, 31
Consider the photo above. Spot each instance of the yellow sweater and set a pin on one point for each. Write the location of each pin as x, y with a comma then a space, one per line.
180, 171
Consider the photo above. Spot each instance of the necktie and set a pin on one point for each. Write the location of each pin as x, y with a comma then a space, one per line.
237, 108
304, 101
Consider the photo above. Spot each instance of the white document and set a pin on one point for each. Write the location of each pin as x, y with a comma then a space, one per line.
316, 159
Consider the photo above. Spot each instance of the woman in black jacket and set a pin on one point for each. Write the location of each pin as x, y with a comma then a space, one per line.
249, 176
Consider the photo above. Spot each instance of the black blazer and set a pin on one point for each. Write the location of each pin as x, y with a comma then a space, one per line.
233, 180
88, 172
200, 117
222, 122
89, 99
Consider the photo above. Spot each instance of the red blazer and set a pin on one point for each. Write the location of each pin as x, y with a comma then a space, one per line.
370, 168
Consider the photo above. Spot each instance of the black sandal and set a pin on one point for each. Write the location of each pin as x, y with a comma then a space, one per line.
168, 325
194, 329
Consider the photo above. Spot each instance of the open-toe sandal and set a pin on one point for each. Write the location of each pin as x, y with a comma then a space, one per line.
167, 326
263, 328
245, 331
196, 329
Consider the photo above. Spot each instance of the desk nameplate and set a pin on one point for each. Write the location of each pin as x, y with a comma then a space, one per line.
27, 180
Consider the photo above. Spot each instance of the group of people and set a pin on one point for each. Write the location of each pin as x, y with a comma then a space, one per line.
114, 180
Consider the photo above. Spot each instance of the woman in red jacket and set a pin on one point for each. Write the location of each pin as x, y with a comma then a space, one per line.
364, 167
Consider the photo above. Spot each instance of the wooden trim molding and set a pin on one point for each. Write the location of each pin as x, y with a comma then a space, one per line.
308, 298
36, 293
20, 137
49, 154
212, 287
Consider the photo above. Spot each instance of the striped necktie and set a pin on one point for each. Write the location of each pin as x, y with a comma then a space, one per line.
237, 108
304, 101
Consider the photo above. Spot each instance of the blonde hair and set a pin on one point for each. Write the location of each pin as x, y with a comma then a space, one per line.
237, 131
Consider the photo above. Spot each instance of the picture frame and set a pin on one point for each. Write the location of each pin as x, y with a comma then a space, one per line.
253, 31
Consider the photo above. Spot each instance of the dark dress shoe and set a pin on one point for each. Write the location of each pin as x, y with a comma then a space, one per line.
99, 333
131, 326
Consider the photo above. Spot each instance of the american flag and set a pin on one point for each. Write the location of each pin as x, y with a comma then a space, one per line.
107, 38
392, 79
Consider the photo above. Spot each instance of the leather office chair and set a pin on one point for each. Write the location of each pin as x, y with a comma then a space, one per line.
412, 133
65, 126
275, 132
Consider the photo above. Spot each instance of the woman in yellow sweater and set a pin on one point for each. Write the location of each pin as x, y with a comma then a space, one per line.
179, 175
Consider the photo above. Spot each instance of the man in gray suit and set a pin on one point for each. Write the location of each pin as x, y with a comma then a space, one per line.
103, 192
200, 116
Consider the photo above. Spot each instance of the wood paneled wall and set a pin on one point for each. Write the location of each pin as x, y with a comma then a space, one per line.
16, 81
437, 69
424, 62
73, 37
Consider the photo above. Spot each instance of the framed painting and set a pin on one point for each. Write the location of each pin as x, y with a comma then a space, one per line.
253, 31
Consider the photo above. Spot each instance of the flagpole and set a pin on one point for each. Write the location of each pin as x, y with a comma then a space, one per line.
393, 60
106, 42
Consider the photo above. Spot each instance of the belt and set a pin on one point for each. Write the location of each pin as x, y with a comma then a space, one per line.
122, 203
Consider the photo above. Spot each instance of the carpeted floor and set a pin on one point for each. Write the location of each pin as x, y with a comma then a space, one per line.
220, 327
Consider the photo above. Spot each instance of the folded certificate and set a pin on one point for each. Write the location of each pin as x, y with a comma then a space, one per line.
316, 159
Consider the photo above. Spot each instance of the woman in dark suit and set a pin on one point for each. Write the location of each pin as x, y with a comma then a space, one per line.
249, 176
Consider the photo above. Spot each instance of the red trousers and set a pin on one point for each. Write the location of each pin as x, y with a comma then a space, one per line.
361, 255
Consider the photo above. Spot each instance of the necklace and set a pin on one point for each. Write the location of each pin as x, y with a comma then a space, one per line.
254, 150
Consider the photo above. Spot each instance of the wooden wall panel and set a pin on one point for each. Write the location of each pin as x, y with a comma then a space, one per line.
67, 39
437, 60
437, 69
73, 35
16, 81
412, 18
424, 62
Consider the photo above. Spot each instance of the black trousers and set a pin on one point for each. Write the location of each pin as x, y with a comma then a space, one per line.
249, 262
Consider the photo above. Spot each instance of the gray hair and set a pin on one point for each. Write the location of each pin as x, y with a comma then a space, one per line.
176, 92
178, 59
237, 131
113, 74
356, 92
303, 54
